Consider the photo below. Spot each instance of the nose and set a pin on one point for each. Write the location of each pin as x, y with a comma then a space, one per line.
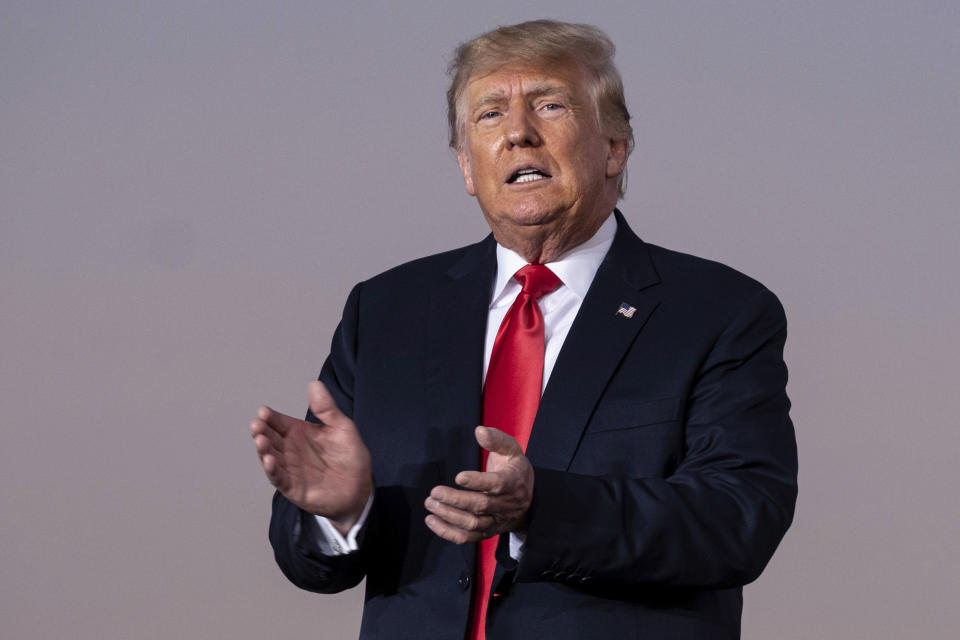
521, 131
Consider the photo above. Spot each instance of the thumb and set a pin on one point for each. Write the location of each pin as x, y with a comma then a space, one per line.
496, 441
323, 406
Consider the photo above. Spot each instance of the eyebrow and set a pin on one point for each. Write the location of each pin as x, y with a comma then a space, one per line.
537, 90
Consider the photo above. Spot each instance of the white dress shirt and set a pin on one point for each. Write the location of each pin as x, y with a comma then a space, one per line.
576, 269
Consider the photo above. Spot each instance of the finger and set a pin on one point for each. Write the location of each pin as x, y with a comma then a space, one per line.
459, 518
275, 473
260, 428
496, 441
448, 532
273, 462
485, 481
279, 422
265, 447
323, 406
471, 501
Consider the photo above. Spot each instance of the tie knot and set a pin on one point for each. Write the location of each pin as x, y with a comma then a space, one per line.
537, 280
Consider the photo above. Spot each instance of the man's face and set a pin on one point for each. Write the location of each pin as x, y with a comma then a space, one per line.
534, 156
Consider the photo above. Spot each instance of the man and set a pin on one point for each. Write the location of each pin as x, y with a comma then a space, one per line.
653, 478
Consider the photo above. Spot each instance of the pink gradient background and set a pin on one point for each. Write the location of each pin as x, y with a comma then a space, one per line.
188, 190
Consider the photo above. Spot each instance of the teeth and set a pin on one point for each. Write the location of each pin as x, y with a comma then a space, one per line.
529, 177
530, 174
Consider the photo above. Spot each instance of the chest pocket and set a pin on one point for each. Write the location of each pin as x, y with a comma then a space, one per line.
637, 439
624, 415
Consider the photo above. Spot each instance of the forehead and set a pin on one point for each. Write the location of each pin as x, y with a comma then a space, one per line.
503, 82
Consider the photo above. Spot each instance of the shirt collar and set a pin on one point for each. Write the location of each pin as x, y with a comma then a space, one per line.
575, 268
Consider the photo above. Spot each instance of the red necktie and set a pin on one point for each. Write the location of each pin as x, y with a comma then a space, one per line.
510, 399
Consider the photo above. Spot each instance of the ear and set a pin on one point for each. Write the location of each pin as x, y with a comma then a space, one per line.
463, 159
616, 158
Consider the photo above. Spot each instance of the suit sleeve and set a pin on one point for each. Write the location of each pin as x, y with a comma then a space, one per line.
298, 557
717, 519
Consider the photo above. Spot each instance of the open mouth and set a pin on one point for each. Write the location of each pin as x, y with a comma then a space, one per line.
529, 174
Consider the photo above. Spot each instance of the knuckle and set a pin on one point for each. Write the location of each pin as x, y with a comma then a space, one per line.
482, 505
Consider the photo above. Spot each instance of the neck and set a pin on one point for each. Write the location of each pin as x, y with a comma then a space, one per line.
545, 247
540, 245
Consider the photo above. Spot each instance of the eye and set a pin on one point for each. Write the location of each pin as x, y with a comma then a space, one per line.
550, 109
489, 115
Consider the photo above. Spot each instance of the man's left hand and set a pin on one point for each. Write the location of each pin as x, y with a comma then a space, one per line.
492, 501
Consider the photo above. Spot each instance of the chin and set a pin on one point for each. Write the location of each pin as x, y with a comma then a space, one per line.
530, 214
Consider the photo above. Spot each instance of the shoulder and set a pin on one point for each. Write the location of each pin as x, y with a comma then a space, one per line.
678, 277
694, 271
433, 266
704, 286
413, 280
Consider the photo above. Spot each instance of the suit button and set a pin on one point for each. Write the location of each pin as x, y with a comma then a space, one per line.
464, 581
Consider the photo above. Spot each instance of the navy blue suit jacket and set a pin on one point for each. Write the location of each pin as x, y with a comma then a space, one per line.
664, 456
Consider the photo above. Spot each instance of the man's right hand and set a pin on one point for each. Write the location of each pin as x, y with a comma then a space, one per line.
322, 468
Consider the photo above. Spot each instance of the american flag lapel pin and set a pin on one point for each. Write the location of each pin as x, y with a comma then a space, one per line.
626, 310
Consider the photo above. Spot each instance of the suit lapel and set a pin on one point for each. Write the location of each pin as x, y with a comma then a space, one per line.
456, 331
455, 336
592, 351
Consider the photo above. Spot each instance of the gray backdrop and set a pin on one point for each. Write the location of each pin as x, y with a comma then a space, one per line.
189, 189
